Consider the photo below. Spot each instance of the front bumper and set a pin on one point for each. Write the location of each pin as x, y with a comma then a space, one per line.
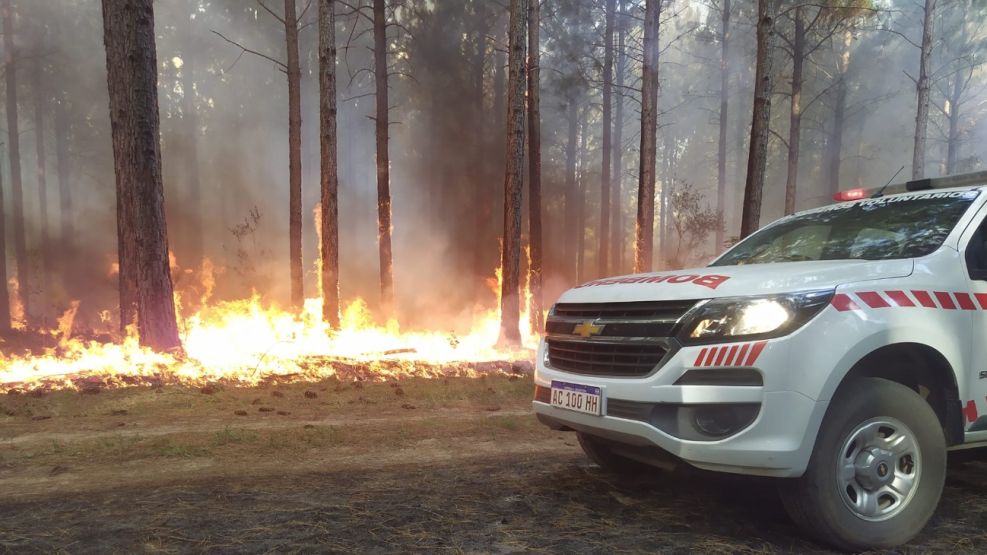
777, 443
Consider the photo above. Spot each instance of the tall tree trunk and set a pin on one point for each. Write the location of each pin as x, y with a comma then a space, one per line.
383, 161
481, 192
922, 92
616, 217
570, 243
329, 170
758, 158
66, 254
13, 143
510, 299
40, 108
534, 168
644, 239
190, 120
132, 77
795, 113
721, 157
294, 156
581, 188
953, 135
603, 253
834, 145
4, 293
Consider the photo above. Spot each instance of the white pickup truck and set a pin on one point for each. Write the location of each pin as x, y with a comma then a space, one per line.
841, 349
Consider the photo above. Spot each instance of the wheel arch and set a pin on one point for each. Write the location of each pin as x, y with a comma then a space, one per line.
921, 368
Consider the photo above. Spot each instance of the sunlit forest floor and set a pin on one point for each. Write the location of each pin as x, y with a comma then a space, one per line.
456, 465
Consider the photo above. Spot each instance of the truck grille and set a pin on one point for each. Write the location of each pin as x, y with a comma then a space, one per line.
604, 359
612, 339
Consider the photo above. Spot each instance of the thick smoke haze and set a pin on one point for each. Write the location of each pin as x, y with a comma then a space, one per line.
224, 115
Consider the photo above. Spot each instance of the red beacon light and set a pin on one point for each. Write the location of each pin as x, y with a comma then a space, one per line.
851, 194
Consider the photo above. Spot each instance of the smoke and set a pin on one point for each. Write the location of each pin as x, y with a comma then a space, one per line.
446, 138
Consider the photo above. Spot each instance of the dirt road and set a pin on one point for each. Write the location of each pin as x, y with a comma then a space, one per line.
424, 466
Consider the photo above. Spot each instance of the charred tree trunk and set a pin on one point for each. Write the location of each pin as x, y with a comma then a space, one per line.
795, 113
13, 143
190, 120
510, 305
571, 192
534, 168
721, 157
329, 183
383, 161
644, 238
603, 253
132, 77
922, 92
481, 193
616, 217
758, 158
834, 145
294, 156
40, 108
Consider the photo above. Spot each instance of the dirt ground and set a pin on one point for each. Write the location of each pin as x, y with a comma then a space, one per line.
443, 465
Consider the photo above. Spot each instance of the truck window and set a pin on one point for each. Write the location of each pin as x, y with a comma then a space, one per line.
897, 226
976, 253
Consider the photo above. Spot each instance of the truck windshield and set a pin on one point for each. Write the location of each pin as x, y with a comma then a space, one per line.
900, 226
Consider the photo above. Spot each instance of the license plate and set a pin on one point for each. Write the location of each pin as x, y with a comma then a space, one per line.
577, 397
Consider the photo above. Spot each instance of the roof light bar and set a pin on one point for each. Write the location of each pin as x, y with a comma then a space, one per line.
946, 182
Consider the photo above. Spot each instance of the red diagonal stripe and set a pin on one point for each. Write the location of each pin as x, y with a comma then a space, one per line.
873, 299
900, 298
843, 303
709, 357
964, 300
699, 359
924, 299
945, 300
982, 299
729, 361
755, 352
971, 411
742, 354
723, 354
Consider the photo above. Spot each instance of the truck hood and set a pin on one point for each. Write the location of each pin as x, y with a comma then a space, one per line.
736, 281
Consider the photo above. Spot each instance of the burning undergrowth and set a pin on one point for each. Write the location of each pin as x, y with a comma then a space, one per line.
249, 343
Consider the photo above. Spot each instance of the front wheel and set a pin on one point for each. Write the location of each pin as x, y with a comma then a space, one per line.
877, 469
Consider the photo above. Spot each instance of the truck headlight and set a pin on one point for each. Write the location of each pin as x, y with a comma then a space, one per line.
731, 319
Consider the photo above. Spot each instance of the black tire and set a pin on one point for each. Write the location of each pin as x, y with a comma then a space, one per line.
600, 453
816, 502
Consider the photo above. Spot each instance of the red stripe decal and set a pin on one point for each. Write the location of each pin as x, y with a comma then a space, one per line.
945, 300
723, 354
966, 303
982, 299
970, 411
730, 356
709, 357
843, 303
755, 352
924, 299
742, 354
900, 298
699, 359
873, 299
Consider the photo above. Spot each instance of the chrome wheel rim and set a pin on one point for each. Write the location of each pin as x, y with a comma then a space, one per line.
879, 468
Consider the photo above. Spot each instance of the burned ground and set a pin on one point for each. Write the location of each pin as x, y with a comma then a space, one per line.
424, 465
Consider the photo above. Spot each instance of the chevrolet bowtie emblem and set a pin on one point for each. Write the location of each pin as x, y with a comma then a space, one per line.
586, 329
